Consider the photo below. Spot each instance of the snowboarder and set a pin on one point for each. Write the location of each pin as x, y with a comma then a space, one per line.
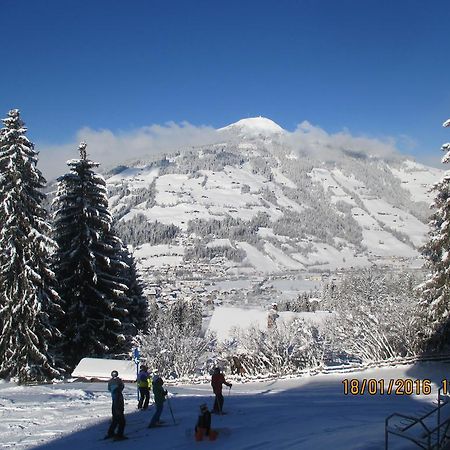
217, 380
144, 383
115, 386
160, 396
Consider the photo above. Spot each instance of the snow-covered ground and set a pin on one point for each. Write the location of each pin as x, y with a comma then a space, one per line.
299, 413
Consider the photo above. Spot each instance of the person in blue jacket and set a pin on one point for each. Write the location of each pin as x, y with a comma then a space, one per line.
115, 386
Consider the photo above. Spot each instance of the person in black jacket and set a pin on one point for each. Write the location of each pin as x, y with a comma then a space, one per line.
115, 386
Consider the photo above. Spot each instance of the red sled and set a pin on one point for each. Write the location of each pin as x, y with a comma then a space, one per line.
201, 433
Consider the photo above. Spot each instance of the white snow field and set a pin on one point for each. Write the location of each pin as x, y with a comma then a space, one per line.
298, 413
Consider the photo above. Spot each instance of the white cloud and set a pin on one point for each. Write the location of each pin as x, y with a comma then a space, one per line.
434, 160
110, 148
314, 140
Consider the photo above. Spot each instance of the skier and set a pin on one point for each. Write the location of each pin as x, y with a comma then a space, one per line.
217, 380
160, 396
144, 383
115, 386
203, 426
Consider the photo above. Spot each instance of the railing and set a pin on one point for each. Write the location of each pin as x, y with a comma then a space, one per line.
427, 437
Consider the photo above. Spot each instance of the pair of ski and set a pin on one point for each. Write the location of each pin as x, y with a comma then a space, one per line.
115, 438
162, 424
190, 433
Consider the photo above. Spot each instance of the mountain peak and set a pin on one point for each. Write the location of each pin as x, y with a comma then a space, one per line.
255, 126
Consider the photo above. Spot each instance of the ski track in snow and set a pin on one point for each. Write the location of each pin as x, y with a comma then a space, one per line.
293, 413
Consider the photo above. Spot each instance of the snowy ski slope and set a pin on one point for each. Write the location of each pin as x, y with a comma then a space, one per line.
299, 413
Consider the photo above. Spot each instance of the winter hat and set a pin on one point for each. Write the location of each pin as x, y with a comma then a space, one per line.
114, 374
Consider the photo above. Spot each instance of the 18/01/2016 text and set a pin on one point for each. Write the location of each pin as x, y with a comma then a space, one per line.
394, 386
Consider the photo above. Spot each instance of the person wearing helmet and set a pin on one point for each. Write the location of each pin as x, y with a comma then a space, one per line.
115, 386
217, 380
144, 383
159, 394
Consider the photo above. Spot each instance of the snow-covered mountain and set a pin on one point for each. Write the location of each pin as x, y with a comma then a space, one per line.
260, 201
253, 127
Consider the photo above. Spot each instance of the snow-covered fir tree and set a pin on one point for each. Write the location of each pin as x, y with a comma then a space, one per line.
137, 306
29, 304
436, 290
88, 264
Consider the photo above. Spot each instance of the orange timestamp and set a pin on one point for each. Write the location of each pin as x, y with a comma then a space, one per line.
393, 386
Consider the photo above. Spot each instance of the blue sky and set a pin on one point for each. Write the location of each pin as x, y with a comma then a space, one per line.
377, 68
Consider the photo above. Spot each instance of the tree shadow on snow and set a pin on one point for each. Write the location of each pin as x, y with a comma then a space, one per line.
310, 413
92, 437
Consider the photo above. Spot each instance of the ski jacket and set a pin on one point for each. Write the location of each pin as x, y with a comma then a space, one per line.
159, 392
118, 404
216, 382
115, 385
144, 379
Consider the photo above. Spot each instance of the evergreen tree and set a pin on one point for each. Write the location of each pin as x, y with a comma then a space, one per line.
435, 291
186, 314
88, 264
138, 312
29, 304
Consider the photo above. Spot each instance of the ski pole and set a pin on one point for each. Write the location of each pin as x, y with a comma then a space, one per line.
171, 412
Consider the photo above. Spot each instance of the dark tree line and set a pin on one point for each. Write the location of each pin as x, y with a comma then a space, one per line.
230, 228
208, 253
139, 230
